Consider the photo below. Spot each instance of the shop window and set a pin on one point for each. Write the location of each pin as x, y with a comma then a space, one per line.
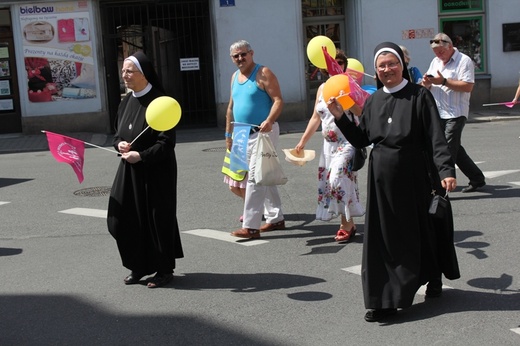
464, 22
466, 34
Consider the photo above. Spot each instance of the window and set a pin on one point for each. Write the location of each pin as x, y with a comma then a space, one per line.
511, 37
466, 34
464, 22
319, 8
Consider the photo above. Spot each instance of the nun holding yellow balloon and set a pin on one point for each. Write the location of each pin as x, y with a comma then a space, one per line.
142, 215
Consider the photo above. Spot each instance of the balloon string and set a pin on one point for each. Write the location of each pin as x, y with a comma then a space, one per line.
147, 127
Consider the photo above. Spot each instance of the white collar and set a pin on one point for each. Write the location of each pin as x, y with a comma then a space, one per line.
396, 88
143, 92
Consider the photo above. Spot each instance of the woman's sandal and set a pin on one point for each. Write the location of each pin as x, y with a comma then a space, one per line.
344, 236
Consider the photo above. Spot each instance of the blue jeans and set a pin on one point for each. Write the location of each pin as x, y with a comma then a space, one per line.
453, 132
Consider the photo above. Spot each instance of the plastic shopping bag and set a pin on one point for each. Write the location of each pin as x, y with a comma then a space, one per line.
268, 170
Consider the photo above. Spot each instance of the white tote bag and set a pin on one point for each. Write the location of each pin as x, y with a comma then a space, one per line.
268, 171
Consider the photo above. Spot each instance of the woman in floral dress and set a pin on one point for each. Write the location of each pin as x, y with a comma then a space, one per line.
338, 193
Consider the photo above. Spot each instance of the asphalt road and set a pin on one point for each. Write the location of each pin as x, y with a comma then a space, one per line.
61, 275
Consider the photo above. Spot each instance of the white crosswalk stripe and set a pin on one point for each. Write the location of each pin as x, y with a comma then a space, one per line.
207, 233
225, 236
495, 174
1, 203
86, 212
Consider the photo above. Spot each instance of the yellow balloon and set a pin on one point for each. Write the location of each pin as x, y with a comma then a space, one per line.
338, 86
163, 113
356, 65
315, 53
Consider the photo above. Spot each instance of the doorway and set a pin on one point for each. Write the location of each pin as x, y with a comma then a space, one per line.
176, 36
326, 18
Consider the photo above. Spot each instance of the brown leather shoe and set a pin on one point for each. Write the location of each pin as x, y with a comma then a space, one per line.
273, 226
248, 233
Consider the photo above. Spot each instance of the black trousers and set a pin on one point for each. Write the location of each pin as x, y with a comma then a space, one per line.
453, 132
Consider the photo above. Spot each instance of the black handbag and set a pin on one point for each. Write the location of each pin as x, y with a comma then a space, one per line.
438, 205
360, 156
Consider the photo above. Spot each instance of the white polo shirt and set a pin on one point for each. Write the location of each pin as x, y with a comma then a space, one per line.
452, 104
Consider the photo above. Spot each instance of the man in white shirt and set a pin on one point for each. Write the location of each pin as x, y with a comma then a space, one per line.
450, 78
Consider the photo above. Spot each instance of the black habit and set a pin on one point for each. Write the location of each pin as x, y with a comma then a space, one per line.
142, 213
403, 246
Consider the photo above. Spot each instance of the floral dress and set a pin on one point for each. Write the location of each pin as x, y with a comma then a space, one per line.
337, 184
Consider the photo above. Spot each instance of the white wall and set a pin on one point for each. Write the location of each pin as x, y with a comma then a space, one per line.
503, 66
385, 21
274, 30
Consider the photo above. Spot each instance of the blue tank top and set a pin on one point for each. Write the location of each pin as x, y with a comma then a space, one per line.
251, 105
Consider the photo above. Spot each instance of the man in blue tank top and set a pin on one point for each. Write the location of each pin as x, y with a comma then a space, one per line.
255, 99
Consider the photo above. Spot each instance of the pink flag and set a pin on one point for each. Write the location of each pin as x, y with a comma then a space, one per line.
356, 92
68, 150
333, 67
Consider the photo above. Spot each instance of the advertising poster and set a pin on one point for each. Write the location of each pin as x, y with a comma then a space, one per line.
57, 51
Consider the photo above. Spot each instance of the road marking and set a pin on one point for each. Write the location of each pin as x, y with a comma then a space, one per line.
494, 174
516, 330
354, 270
86, 212
225, 236
1, 203
421, 291
515, 182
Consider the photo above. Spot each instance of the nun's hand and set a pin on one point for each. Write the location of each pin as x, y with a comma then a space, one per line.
449, 183
131, 157
335, 108
123, 147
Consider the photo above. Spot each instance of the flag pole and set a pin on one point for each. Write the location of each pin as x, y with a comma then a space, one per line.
239, 123
139, 135
356, 71
93, 145
501, 104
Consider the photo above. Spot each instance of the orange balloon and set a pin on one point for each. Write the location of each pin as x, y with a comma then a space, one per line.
338, 86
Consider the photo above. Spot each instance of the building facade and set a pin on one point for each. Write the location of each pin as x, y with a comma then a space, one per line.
60, 61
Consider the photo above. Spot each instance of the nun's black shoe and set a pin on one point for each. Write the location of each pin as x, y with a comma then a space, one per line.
159, 280
377, 315
133, 278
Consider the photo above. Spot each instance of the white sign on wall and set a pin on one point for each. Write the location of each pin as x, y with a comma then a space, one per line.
190, 64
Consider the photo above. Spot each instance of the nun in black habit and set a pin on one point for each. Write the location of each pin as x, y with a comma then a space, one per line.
404, 247
142, 214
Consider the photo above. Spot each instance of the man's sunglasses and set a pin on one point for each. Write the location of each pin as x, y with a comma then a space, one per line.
438, 41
